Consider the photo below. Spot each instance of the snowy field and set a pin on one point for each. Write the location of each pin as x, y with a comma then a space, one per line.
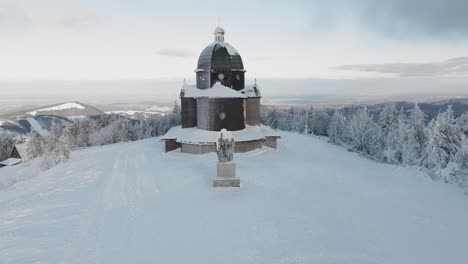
308, 202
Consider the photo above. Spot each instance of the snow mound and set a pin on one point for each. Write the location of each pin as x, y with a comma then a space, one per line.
308, 202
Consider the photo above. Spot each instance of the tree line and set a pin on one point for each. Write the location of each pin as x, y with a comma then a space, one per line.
439, 147
63, 137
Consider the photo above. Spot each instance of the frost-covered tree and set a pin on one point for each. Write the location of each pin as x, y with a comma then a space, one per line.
144, 129
309, 120
337, 128
290, 121
362, 132
56, 147
126, 132
389, 134
272, 119
317, 121
34, 147
321, 122
462, 124
86, 128
6, 143
417, 127
407, 144
443, 144
106, 135
461, 158
388, 119
175, 117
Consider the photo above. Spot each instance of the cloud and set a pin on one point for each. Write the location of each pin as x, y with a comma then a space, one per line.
451, 67
13, 16
174, 53
77, 18
392, 18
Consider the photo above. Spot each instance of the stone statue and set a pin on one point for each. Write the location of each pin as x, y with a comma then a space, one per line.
226, 167
225, 147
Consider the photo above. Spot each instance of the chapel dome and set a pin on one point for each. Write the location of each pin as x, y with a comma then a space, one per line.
220, 62
220, 56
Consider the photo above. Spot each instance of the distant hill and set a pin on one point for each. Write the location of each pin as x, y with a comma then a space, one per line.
70, 109
431, 109
41, 118
149, 113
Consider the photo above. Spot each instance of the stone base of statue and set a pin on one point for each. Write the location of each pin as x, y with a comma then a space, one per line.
226, 175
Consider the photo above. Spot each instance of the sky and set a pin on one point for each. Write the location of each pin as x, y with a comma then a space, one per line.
150, 39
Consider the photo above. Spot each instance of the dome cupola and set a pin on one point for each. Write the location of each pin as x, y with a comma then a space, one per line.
220, 62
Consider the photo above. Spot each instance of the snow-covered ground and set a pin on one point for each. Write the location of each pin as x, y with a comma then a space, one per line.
308, 202
36, 126
64, 106
154, 110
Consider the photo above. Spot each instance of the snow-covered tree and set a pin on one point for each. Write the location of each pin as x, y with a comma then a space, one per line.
126, 132
175, 117
443, 144
337, 128
86, 128
6, 142
34, 147
309, 120
389, 134
56, 147
417, 127
318, 121
461, 158
407, 144
272, 119
362, 132
144, 129
462, 124
290, 121
321, 122
388, 119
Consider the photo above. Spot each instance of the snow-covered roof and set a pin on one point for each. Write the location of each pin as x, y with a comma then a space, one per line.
251, 91
10, 162
196, 135
217, 91
22, 150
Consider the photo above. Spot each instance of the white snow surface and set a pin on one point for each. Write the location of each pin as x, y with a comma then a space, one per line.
36, 126
196, 135
71, 105
217, 91
308, 202
2, 122
156, 108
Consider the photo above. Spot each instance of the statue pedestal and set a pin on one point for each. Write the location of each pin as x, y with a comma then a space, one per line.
226, 175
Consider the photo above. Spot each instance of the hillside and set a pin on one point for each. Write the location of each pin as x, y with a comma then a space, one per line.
308, 202
40, 118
